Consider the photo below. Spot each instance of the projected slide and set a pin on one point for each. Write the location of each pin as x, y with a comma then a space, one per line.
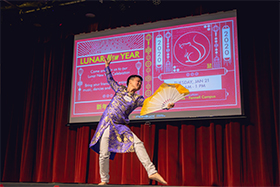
201, 56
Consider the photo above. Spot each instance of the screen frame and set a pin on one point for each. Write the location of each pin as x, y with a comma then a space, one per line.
161, 24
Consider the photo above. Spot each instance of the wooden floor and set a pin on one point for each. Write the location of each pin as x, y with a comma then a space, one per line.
22, 184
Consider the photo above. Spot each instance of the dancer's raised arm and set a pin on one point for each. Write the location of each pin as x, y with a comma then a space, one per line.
114, 85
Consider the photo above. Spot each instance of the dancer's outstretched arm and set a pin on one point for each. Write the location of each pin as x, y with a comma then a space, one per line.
114, 85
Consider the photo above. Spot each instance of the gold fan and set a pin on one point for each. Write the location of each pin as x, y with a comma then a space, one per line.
165, 94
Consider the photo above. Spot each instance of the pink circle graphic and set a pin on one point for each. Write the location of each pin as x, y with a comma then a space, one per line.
192, 48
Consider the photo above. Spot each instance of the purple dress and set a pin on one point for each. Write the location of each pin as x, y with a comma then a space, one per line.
116, 117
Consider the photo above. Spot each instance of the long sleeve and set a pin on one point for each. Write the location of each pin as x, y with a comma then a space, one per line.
114, 85
140, 101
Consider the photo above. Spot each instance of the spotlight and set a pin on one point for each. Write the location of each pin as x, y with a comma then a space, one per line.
90, 15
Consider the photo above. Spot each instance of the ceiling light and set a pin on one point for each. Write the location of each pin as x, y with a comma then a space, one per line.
156, 2
90, 15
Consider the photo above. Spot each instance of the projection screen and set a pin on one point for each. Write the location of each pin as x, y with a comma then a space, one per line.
199, 52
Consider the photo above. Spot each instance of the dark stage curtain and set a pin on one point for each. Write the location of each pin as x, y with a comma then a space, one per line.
36, 146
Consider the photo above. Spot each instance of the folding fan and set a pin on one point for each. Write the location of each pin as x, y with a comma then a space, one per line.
165, 94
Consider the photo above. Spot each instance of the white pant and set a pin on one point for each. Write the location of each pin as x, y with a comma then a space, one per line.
104, 155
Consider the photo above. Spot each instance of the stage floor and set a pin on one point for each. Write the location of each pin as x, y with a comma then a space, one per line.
22, 184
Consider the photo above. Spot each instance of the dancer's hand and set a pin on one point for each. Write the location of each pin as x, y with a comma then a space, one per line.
107, 62
170, 105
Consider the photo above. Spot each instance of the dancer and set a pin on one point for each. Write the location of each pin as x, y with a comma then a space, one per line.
113, 136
